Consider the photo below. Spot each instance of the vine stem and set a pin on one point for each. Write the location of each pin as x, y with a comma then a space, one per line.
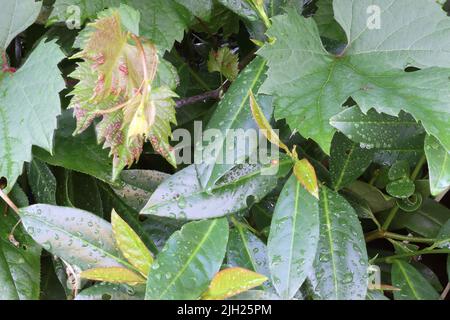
378, 234
209, 95
395, 209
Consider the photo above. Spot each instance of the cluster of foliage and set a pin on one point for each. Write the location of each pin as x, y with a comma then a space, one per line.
95, 207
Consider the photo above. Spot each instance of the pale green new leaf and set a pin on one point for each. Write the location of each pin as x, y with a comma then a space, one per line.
29, 105
189, 261
15, 17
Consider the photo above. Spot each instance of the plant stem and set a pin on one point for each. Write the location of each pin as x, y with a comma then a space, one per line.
378, 234
9, 201
411, 254
209, 95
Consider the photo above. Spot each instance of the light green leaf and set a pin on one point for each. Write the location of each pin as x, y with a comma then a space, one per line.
412, 285
19, 261
42, 182
233, 113
293, 238
182, 197
79, 237
255, 295
188, 262
131, 245
443, 237
438, 165
402, 188
370, 69
113, 275
232, 281
340, 266
15, 17
375, 295
348, 161
33, 90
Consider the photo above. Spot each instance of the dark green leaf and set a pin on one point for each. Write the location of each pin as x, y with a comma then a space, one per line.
438, 165
402, 188
348, 160
42, 182
188, 262
412, 285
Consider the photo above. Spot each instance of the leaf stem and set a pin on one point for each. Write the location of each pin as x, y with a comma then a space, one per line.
209, 95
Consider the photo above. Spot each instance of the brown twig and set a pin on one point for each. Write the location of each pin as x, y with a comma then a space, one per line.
209, 95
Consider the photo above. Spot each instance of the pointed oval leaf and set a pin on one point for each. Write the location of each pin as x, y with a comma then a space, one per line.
188, 262
412, 284
340, 266
42, 182
293, 238
182, 197
111, 291
79, 237
232, 281
131, 245
113, 275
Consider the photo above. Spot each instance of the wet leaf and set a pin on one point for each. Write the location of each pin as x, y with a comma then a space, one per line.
340, 266
113, 275
293, 238
181, 196
412, 285
131, 245
179, 271
110, 291
42, 182
232, 281
438, 165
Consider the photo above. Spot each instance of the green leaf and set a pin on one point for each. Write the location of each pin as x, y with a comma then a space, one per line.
182, 197
15, 17
348, 160
399, 170
224, 61
164, 23
79, 237
233, 113
443, 237
375, 295
340, 266
412, 285
247, 251
293, 238
328, 26
110, 291
402, 188
306, 175
42, 182
255, 295
180, 271
131, 245
33, 90
113, 275
20, 258
376, 199
370, 69
83, 193
80, 153
426, 221
438, 165
232, 281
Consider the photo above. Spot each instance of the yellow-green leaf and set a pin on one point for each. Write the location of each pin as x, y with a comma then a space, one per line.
232, 281
224, 61
264, 124
306, 175
131, 245
113, 275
